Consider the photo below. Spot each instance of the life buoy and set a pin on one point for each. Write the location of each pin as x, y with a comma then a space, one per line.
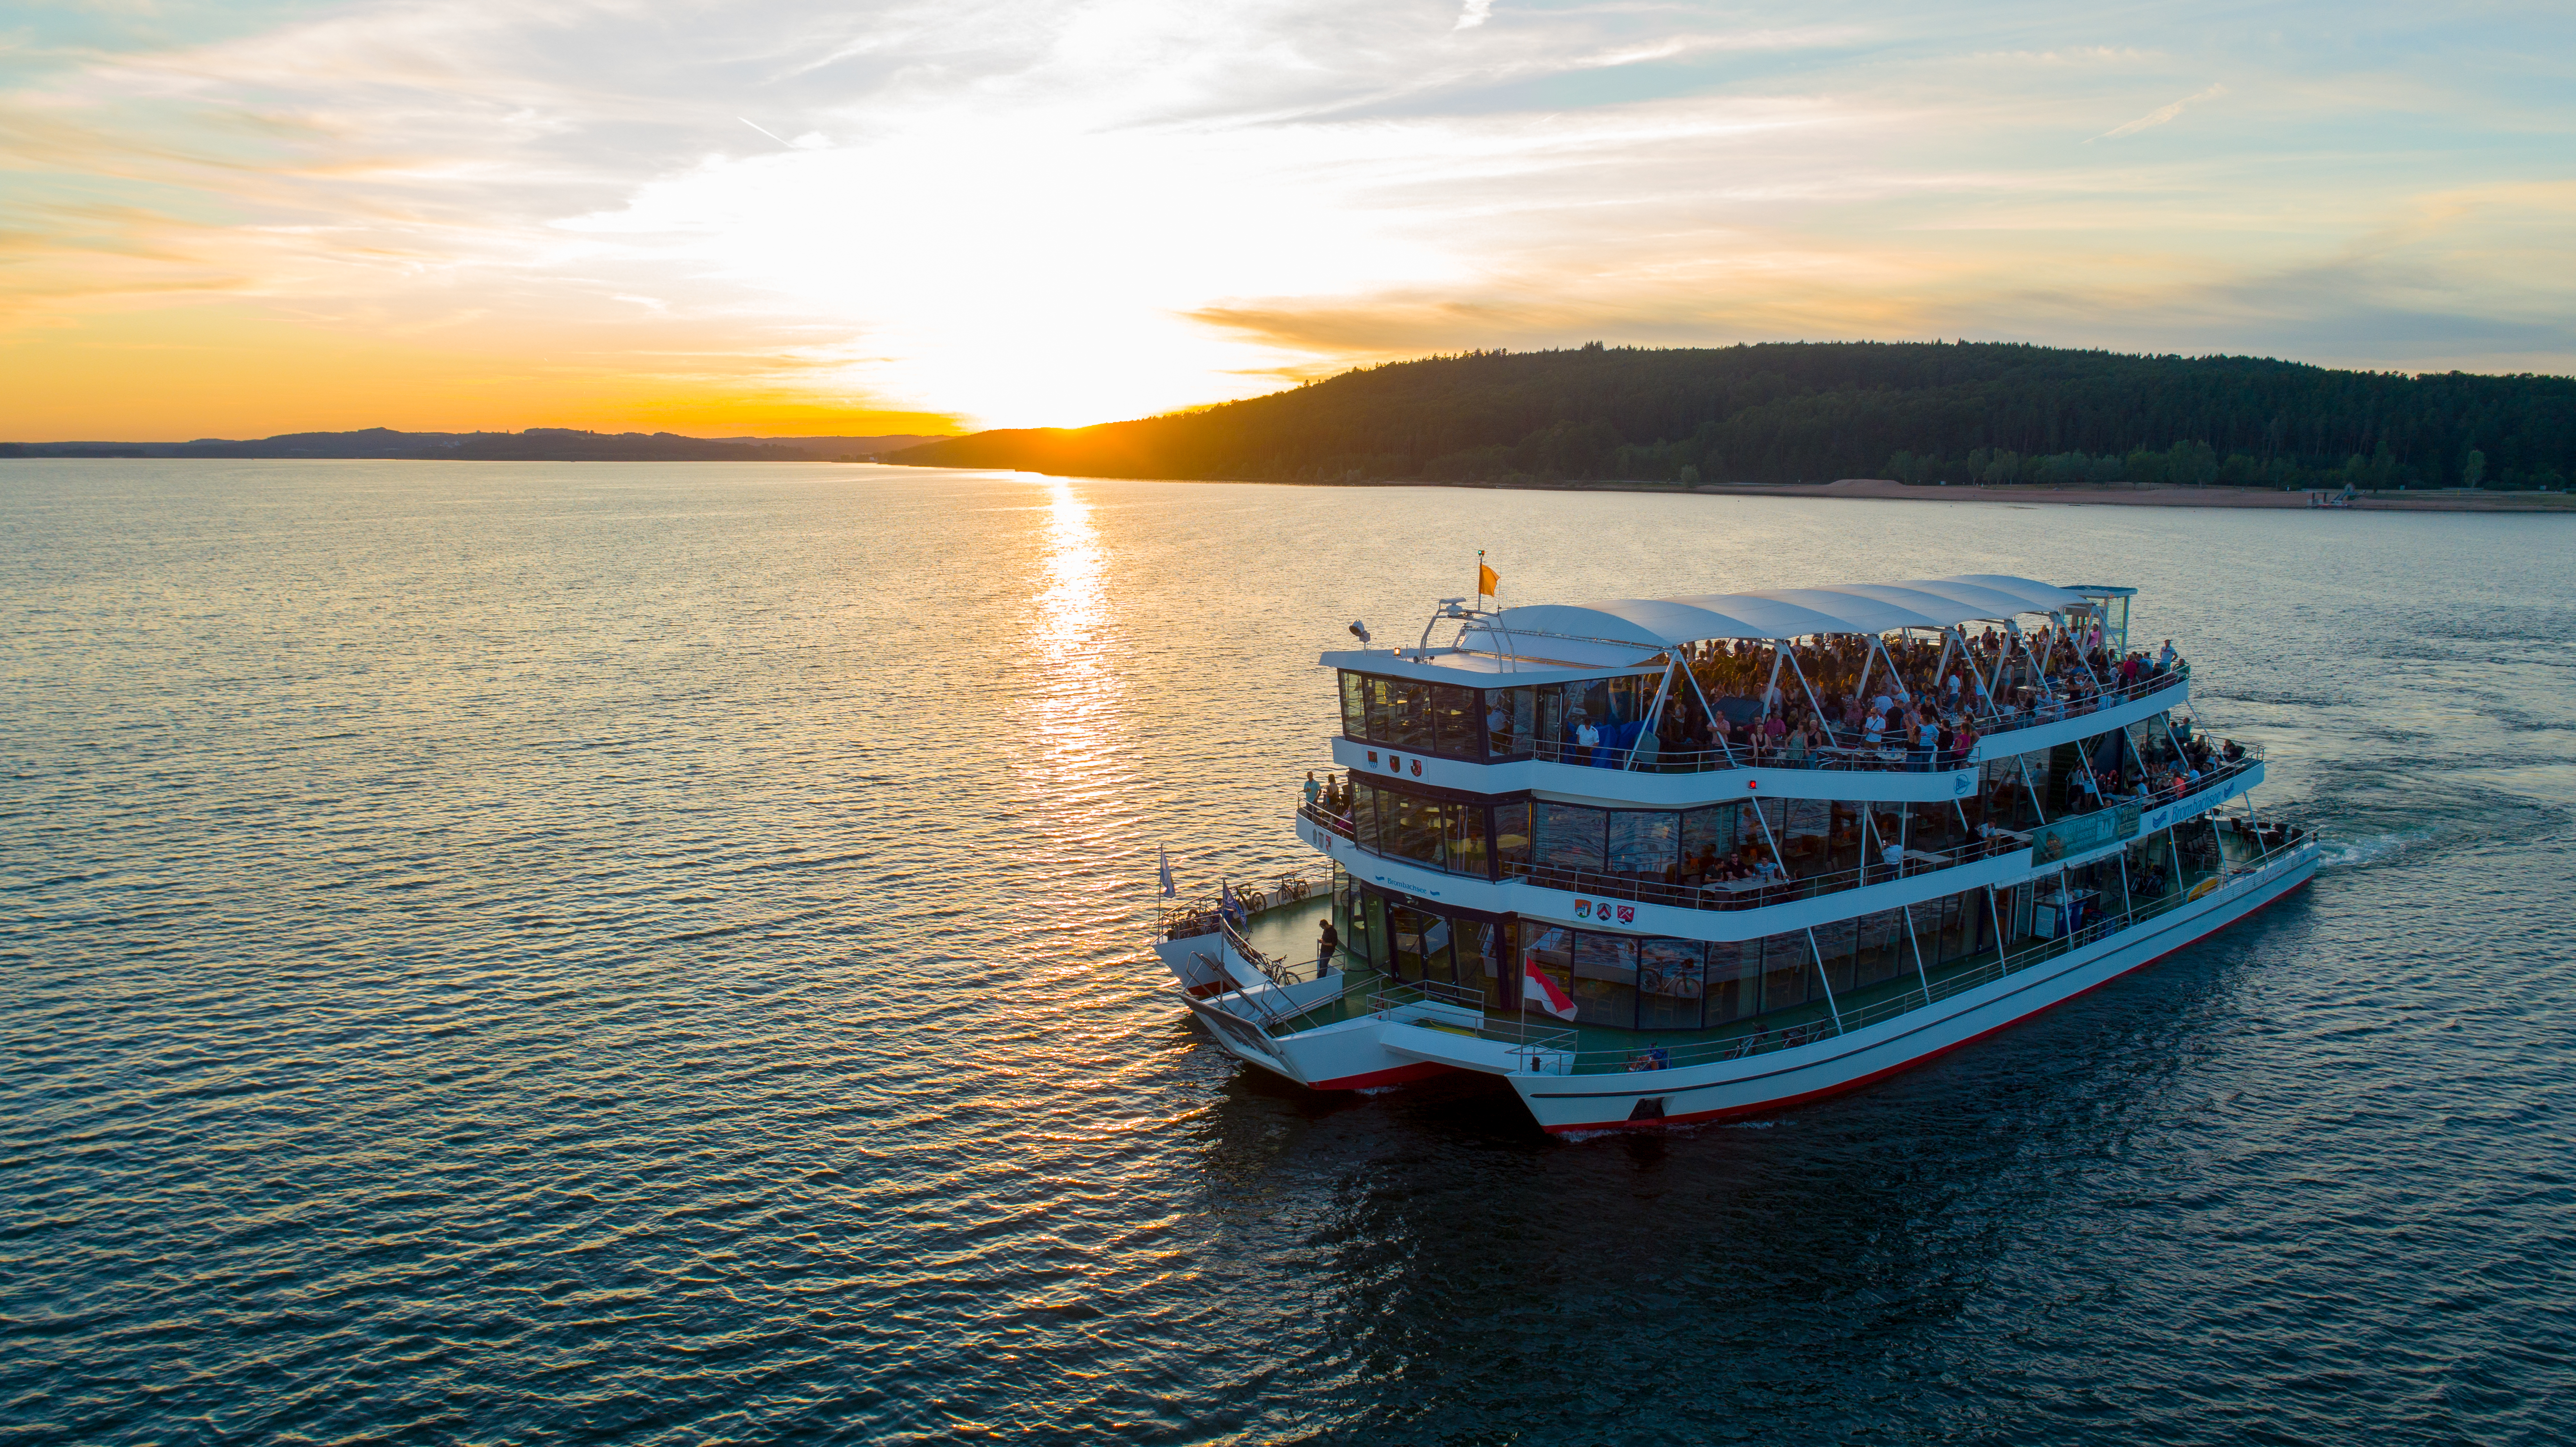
2197, 890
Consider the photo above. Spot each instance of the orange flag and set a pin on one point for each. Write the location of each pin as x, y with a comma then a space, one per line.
1486, 582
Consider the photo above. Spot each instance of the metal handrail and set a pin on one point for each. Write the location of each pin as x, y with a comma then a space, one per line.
1841, 755
1763, 1041
1691, 896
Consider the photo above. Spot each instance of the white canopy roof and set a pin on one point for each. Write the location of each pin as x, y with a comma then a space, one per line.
1657, 623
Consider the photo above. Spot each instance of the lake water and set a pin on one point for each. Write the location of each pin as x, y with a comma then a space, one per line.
654, 954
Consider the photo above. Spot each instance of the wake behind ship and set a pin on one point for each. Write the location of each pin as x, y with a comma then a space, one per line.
1666, 860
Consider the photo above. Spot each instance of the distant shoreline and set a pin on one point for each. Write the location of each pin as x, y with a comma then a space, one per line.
2097, 495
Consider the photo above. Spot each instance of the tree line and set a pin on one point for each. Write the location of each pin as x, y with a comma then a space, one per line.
1816, 411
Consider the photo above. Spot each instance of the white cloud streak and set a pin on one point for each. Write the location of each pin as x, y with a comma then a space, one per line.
2160, 114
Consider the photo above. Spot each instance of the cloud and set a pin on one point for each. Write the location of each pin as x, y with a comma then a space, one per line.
2160, 114
1476, 13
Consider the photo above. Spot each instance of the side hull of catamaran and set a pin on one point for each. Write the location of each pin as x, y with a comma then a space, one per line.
1847, 1062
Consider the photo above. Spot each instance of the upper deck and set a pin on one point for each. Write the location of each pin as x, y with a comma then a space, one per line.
1676, 700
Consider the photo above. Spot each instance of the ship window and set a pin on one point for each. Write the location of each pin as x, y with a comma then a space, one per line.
1643, 843
1710, 832
1381, 710
1463, 838
1835, 942
1421, 945
1510, 716
1364, 831
1927, 918
1479, 954
1512, 834
1605, 979
1802, 832
1788, 971
1569, 836
1549, 953
1410, 827
1668, 984
1883, 949
1459, 727
1733, 984
1355, 692
1549, 729
1409, 721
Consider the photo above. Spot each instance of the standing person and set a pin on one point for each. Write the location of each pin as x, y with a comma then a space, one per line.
2166, 658
1927, 742
1314, 791
1327, 943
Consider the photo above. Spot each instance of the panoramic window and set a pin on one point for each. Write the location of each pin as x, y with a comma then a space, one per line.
1569, 836
1668, 984
1605, 979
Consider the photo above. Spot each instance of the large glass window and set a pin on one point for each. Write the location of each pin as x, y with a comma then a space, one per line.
1709, 835
1510, 721
1733, 983
1445, 834
1512, 834
1668, 984
1409, 827
1550, 954
1605, 979
1423, 944
1569, 836
1835, 945
1882, 948
1410, 716
1463, 839
1354, 704
1802, 835
1788, 971
1481, 953
1458, 729
1644, 843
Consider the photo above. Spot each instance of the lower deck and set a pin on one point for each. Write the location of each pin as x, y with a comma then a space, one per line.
1914, 967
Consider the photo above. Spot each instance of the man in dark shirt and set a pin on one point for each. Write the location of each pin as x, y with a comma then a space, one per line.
1326, 943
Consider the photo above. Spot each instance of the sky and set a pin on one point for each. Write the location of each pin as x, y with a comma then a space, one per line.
260, 216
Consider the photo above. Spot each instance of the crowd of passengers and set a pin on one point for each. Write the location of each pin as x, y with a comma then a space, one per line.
2112, 769
1843, 702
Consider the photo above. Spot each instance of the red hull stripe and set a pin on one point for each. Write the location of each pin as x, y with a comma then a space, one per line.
1858, 1082
1420, 1070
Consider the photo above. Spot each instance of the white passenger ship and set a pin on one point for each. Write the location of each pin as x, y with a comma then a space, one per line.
1670, 860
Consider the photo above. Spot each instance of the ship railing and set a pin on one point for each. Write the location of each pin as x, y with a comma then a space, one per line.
1847, 751
1763, 1040
1341, 824
1202, 915
1533, 1050
1277, 971
1758, 894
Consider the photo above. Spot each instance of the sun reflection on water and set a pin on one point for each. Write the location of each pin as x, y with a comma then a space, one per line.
1076, 693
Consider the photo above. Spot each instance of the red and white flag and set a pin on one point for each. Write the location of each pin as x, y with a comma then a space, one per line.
1538, 992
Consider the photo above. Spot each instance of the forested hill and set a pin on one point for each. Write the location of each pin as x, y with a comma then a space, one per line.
1816, 411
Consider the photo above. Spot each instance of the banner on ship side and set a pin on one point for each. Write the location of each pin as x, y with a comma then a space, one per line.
2053, 842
